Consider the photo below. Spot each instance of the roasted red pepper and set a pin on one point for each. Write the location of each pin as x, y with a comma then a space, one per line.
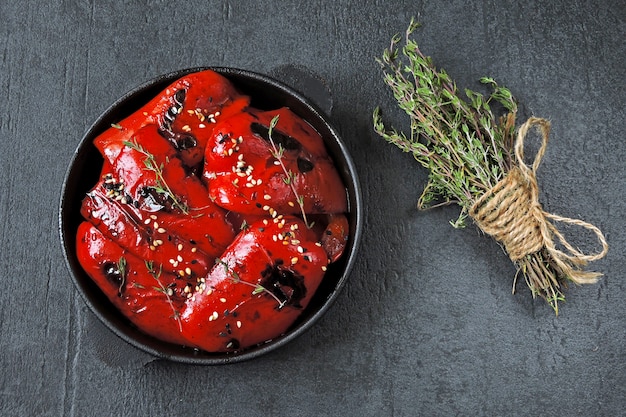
180, 177
245, 175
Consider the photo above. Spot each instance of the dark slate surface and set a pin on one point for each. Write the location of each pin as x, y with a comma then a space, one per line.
427, 324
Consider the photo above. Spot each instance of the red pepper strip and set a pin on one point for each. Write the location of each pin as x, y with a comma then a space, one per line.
152, 301
245, 176
178, 112
143, 237
258, 287
335, 236
204, 223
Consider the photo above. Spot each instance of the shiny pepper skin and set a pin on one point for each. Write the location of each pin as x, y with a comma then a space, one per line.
192, 231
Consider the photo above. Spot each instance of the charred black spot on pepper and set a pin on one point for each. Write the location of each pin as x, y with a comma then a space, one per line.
232, 344
287, 142
286, 285
304, 165
153, 200
180, 95
181, 141
222, 137
114, 275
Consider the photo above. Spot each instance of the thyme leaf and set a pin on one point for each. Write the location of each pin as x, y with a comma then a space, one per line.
156, 274
464, 139
289, 178
257, 288
160, 186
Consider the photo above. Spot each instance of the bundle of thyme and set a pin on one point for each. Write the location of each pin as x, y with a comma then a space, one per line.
476, 159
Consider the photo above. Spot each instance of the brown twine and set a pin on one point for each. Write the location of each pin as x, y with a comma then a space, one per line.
511, 213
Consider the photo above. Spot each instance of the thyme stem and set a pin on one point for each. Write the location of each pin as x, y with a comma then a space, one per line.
257, 288
465, 147
161, 185
157, 276
277, 152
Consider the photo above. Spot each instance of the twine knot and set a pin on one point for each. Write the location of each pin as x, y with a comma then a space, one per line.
511, 213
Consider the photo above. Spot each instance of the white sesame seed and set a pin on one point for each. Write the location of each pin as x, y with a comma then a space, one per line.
238, 324
223, 300
188, 271
179, 258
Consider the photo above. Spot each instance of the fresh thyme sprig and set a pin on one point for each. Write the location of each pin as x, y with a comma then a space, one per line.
289, 179
160, 186
256, 288
464, 147
121, 267
161, 288
468, 150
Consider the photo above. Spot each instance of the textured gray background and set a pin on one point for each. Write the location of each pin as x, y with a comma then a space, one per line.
427, 325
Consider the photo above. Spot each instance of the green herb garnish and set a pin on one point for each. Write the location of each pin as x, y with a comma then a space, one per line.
160, 186
288, 179
475, 159
156, 274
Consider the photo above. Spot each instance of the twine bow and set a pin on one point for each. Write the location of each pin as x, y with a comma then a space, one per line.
511, 213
